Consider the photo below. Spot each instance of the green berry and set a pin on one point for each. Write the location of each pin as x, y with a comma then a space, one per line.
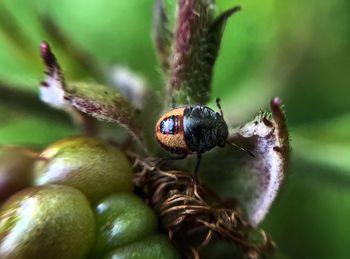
94, 167
122, 219
52, 221
157, 246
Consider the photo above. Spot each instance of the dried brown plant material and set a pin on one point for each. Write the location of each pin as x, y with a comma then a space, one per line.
192, 214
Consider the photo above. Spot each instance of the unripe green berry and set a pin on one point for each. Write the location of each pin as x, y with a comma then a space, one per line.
91, 165
122, 219
157, 246
52, 221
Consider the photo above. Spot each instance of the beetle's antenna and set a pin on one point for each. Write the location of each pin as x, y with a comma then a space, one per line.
241, 148
219, 106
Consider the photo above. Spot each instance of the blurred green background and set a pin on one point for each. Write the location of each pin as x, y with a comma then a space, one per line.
298, 50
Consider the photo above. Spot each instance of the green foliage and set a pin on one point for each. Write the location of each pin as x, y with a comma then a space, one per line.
189, 49
294, 49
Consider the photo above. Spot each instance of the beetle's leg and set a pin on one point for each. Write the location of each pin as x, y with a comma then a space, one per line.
199, 157
219, 106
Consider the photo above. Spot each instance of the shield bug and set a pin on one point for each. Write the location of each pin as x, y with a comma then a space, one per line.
192, 130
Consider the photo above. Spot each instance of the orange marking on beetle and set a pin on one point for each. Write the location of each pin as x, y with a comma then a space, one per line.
171, 136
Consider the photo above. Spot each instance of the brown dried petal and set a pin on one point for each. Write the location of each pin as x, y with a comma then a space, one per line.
261, 177
98, 101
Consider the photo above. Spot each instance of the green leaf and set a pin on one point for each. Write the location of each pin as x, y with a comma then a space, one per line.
98, 101
253, 181
195, 48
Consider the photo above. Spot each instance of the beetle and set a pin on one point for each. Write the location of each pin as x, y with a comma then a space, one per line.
192, 130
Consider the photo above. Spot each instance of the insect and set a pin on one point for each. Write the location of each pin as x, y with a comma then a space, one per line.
192, 130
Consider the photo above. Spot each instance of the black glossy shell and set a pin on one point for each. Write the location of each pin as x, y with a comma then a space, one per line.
203, 128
